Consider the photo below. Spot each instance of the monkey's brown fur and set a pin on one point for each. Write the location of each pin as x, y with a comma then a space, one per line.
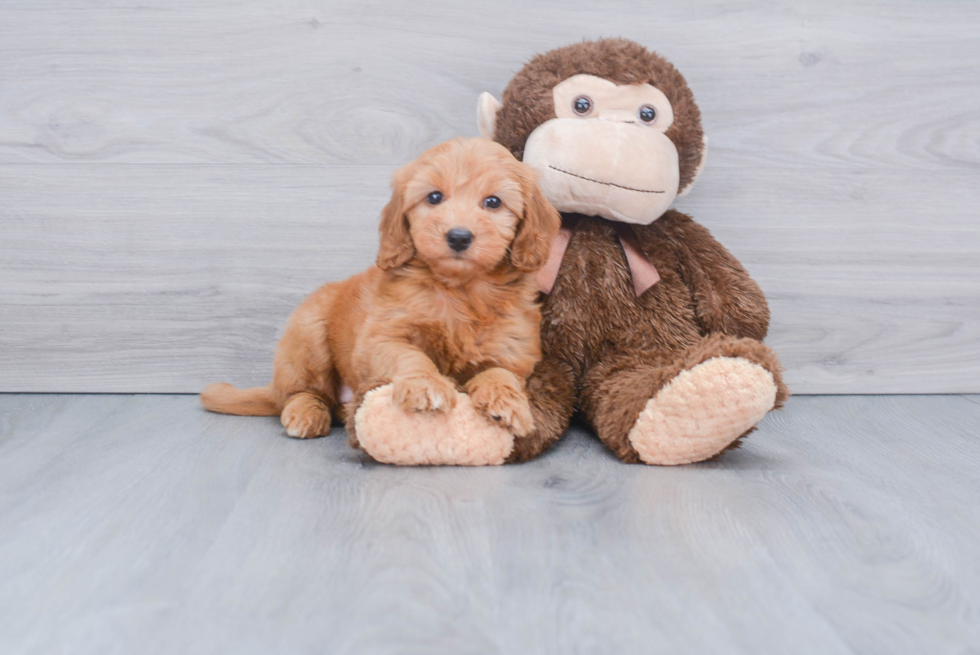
605, 350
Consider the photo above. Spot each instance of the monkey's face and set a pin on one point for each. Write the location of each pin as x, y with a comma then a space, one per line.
606, 154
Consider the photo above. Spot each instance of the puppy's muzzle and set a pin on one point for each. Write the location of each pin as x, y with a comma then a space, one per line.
459, 239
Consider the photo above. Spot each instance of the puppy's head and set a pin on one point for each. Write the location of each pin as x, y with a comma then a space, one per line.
464, 208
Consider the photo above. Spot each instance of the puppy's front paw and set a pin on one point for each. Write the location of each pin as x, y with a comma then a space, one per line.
305, 416
425, 393
504, 402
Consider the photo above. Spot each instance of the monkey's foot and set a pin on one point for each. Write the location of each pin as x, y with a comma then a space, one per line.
702, 411
462, 436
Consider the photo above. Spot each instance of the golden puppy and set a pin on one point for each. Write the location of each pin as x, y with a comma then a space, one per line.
451, 302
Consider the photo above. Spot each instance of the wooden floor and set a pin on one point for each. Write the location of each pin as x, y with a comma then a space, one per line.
141, 524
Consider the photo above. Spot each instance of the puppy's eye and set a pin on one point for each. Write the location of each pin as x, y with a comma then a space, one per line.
434, 198
582, 105
647, 113
491, 202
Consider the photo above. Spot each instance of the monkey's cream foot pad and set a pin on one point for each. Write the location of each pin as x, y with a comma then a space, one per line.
702, 411
462, 436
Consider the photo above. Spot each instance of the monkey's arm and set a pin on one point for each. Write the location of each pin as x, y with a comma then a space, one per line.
726, 299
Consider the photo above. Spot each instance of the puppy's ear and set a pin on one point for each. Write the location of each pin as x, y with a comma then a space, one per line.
538, 228
396, 247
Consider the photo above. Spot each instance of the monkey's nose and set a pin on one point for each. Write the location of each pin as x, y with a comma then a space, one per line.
459, 238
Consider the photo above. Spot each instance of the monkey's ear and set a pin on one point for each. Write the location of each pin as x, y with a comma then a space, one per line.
396, 247
697, 171
486, 114
539, 227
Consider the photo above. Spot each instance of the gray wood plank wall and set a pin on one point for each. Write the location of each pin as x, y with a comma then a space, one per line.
175, 176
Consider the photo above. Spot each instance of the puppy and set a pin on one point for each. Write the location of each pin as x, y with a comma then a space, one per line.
450, 304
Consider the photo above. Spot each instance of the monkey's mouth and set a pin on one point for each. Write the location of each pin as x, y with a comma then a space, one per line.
589, 179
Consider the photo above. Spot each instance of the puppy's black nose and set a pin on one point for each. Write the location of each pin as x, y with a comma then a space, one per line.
459, 238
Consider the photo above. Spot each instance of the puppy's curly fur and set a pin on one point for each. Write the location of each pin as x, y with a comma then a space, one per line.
427, 318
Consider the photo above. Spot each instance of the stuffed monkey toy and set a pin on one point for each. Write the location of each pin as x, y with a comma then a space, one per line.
650, 327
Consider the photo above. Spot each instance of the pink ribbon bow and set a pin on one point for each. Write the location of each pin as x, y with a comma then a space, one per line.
644, 273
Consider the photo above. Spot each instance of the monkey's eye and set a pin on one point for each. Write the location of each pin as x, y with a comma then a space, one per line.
582, 105
434, 198
491, 202
647, 113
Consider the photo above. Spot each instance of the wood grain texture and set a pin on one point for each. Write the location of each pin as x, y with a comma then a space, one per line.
876, 84
175, 176
163, 278
144, 524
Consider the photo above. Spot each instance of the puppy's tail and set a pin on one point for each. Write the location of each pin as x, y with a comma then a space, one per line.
226, 399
